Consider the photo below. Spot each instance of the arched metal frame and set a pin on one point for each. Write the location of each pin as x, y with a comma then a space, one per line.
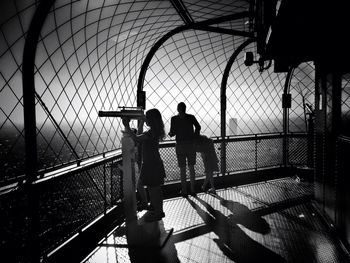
29, 85
223, 101
31, 158
203, 26
29, 65
196, 26
29, 93
286, 114
29, 53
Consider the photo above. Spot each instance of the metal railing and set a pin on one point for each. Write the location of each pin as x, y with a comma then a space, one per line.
71, 198
244, 153
68, 200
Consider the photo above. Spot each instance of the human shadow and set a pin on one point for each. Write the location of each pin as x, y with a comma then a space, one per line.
164, 253
232, 240
244, 216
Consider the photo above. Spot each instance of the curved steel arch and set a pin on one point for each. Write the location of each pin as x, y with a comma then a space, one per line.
31, 158
290, 72
152, 52
286, 90
196, 26
223, 100
28, 67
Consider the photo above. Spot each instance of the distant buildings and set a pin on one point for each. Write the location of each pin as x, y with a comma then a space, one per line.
233, 126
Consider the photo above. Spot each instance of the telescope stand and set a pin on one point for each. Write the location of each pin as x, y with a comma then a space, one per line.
138, 232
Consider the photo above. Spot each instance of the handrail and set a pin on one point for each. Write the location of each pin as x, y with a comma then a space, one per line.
67, 169
344, 139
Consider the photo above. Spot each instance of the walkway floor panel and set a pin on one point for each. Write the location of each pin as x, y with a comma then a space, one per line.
274, 221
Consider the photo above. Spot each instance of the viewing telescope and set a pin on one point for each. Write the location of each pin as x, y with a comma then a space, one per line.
127, 112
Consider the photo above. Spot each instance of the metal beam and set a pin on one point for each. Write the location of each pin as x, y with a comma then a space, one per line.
182, 11
227, 18
179, 29
220, 30
286, 116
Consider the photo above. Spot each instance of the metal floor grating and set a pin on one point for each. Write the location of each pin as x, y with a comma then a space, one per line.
273, 221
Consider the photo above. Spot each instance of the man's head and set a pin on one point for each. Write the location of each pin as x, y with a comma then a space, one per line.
181, 108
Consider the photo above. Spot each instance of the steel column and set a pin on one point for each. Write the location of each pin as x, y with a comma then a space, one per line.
286, 117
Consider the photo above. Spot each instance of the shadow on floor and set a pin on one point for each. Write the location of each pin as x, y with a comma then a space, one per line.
164, 253
232, 240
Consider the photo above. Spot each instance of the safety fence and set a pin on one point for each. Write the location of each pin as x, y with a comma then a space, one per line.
69, 200
244, 153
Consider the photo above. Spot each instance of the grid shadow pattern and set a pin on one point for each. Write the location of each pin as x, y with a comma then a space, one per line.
273, 220
70, 201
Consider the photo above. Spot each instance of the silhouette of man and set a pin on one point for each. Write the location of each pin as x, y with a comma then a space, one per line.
186, 128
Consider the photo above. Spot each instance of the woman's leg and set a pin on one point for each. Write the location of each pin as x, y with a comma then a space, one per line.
209, 175
142, 193
205, 183
211, 179
156, 196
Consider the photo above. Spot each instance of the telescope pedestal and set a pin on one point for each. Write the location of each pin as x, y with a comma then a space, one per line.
138, 232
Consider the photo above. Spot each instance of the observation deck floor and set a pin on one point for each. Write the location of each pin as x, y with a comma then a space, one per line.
272, 221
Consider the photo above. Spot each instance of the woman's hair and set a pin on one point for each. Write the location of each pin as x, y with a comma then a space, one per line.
154, 119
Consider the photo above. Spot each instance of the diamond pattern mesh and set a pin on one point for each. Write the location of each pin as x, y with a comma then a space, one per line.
203, 10
269, 152
302, 89
67, 204
67, 199
345, 105
297, 150
88, 59
98, 73
14, 24
189, 68
254, 98
241, 156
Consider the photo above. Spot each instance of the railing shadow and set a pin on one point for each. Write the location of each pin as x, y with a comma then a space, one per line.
232, 240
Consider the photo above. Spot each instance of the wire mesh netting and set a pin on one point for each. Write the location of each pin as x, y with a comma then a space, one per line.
14, 24
302, 89
345, 106
88, 58
188, 68
66, 205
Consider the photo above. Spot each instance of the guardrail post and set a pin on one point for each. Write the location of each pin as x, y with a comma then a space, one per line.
105, 187
256, 152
